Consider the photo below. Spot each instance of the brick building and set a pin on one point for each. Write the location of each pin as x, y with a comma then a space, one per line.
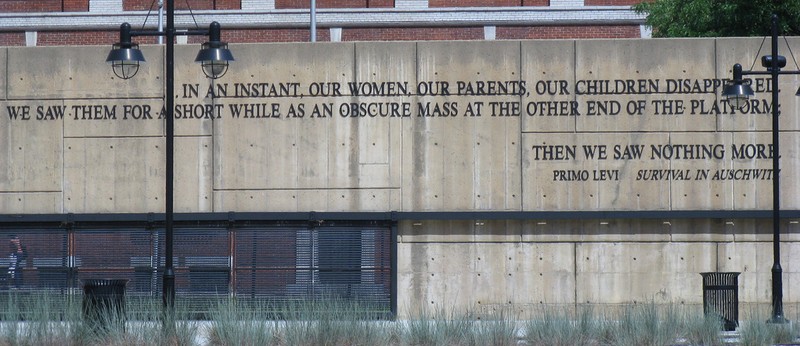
90, 22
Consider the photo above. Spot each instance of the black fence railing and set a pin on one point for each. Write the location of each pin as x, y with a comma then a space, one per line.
274, 260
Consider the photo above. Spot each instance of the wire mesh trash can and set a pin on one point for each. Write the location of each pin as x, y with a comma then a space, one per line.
721, 297
104, 302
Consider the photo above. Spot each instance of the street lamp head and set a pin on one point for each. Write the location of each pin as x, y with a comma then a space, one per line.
766, 61
125, 56
125, 60
214, 58
737, 92
214, 55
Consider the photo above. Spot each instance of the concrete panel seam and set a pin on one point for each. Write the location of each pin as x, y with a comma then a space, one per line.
575, 273
6, 83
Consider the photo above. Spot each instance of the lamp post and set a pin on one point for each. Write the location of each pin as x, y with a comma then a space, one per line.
738, 93
125, 58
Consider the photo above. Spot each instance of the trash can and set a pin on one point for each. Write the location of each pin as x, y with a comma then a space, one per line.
104, 302
721, 297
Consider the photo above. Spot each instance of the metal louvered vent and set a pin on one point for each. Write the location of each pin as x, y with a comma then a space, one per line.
345, 263
272, 261
36, 258
118, 253
202, 263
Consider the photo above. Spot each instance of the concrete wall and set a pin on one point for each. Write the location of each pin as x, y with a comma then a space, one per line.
471, 126
521, 266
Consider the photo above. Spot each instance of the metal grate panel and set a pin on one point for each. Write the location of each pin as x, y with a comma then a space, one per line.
44, 265
202, 263
117, 253
289, 264
270, 260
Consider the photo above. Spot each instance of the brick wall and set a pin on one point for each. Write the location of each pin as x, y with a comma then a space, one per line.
412, 34
473, 3
285, 4
12, 39
568, 32
486, 3
51, 38
427, 34
611, 2
144, 5
138, 5
44, 5
76, 38
76, 5
267, 35
228, 4
30, 6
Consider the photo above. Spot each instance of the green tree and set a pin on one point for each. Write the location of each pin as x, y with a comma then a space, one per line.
719, 18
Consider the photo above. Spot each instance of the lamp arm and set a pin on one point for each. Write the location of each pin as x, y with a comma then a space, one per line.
177, 33
768, 73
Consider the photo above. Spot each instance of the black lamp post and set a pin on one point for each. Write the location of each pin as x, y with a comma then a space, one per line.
738, 92
125, 58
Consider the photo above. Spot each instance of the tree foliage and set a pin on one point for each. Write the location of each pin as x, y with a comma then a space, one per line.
719, 18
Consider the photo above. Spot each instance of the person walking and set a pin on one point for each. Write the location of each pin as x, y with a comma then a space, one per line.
16, 261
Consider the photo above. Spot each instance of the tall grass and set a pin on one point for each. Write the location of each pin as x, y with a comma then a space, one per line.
499, 329
303, 322
148, 324
443, 327
702, 330
54, 319
636, 324
558, 326
332, 322
46, 321
756, 331
439, 327
41, 319
233, 323
644, 325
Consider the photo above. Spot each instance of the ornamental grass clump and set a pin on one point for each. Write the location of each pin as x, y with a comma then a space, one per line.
702, 330
149, 324
560, 327
332, 322
499, 329
38, 319
438, 328
235, 323
758, 331
55, 319
644, 325
142, 322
